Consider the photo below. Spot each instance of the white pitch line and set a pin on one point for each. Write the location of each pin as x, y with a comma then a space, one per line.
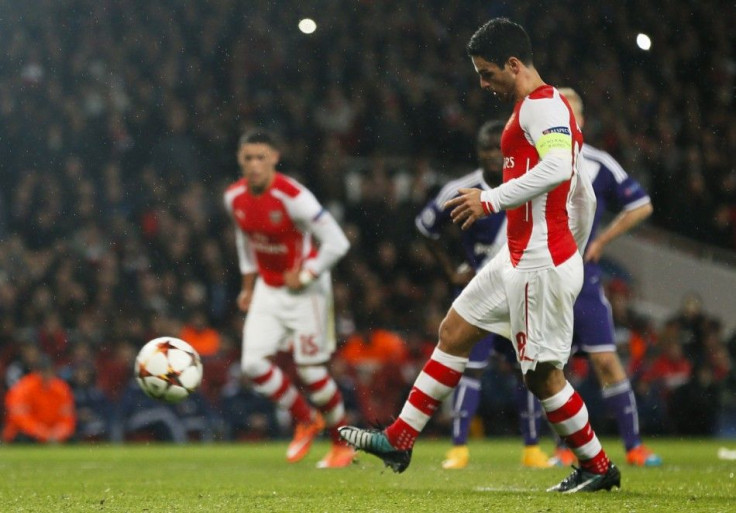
503, 489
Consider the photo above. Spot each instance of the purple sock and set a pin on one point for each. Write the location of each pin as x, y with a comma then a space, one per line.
530, 414
619, 400
465, 403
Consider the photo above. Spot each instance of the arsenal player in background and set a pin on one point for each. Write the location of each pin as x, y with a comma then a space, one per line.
287, 293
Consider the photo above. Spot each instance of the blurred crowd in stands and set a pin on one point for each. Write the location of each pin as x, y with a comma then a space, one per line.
118, 134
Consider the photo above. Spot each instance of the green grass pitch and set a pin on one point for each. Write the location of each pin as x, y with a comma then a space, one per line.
254, 477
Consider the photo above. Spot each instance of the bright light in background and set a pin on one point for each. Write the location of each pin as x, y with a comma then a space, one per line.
643, 41
307, 25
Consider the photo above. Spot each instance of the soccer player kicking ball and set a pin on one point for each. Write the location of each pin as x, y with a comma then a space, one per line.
287, 293
526, 293
480, 243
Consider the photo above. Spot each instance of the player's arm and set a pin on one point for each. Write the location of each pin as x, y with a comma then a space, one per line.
333, 244
245, 296
621, 224
459, 276
429, 223
581, 206
248, 270
554, 168
547, 123
627, 197
246, 261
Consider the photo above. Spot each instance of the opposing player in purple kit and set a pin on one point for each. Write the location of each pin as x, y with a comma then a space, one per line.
480, 243
593, 333
527, 291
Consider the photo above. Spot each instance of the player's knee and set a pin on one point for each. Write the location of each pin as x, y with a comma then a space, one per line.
311, 373
457, 336
447, 334
255, 367
545, 381
608, 367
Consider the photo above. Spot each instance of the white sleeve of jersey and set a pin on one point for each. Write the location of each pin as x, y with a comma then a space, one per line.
581, 203
555, 164
246, 258
309, 214
333, 244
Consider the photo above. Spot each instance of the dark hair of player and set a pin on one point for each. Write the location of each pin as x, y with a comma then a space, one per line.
500, 39
259, 136
487, 131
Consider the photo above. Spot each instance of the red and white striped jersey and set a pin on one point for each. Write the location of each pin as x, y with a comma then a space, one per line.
540, 145
274, 230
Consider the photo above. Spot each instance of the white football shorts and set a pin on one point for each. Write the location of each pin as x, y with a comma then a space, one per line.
300, 322
533, 309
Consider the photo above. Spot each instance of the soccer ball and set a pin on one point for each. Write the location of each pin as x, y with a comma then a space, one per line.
168, 369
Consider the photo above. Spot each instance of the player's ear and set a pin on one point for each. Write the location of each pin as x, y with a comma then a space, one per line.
275, 157
514, 65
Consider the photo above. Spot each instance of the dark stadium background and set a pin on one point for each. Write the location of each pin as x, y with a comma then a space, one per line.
118, 127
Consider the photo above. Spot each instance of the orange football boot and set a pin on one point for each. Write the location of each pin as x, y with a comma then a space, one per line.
339, 456
304, 435
564, 457
642, 456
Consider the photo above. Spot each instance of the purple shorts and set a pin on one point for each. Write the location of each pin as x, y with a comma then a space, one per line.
593, 325
481, 351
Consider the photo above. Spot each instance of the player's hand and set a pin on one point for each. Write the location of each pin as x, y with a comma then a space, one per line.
291, 279
244, 299
594, 251
466, 208
462, 275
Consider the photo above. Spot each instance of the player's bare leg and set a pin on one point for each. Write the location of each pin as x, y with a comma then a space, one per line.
435, 382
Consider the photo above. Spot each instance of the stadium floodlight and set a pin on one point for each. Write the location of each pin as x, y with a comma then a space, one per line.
307, 25
643, 41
